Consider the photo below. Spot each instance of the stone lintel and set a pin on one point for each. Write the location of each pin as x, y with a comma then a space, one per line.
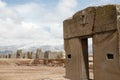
92, 20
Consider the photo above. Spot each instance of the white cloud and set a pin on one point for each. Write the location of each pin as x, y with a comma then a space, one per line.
2, 4
32, 23
101, 2
65, 7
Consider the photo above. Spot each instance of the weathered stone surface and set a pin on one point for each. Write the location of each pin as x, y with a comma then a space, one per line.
81, 24
46, 54
68, 23
84, 21
9, 55
19, 54
71, 61
38, 53
29, 55
105, 18
104, 45
118, 27
92, 20
46, 57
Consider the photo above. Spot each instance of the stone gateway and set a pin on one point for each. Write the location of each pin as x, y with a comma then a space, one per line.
102, 24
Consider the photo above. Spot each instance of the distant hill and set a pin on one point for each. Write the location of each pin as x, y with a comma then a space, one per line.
33, 48
13, 49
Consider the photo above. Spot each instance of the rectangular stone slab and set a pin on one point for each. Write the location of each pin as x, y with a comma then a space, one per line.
105, 19
106, 56
92, 20
75, 62
81, 24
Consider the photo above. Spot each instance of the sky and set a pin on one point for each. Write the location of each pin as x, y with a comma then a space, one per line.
38, 22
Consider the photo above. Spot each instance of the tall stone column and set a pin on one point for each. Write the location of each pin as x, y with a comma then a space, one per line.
19, 54
29, 55
9, 55
38, 53
46, 57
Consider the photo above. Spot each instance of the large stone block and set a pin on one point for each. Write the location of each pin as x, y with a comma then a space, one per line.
106, 56
81, 24
29, 55
19, 54
38, 54
106, 18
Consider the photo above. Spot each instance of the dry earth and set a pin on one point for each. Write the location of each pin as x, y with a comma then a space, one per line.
9, 70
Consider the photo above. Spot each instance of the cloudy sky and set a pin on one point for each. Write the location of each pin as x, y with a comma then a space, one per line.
38, 22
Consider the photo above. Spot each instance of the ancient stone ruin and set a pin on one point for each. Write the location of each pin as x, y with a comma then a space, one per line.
19, 54
9, 55
38, 53
46, 57
102, 24
29, 55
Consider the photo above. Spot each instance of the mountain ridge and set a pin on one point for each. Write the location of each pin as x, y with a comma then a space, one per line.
25, 48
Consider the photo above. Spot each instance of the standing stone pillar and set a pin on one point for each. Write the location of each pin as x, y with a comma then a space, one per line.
29, 55
19, 54
0, 56
9, 55
46, 57
23, 55
6, 56
38, 53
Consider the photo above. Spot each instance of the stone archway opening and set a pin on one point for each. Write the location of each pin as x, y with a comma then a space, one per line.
90, 58
87, 50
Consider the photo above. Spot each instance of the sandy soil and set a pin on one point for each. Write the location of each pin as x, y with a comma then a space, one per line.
11, 71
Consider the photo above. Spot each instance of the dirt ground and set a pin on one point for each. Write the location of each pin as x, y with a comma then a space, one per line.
10, 71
